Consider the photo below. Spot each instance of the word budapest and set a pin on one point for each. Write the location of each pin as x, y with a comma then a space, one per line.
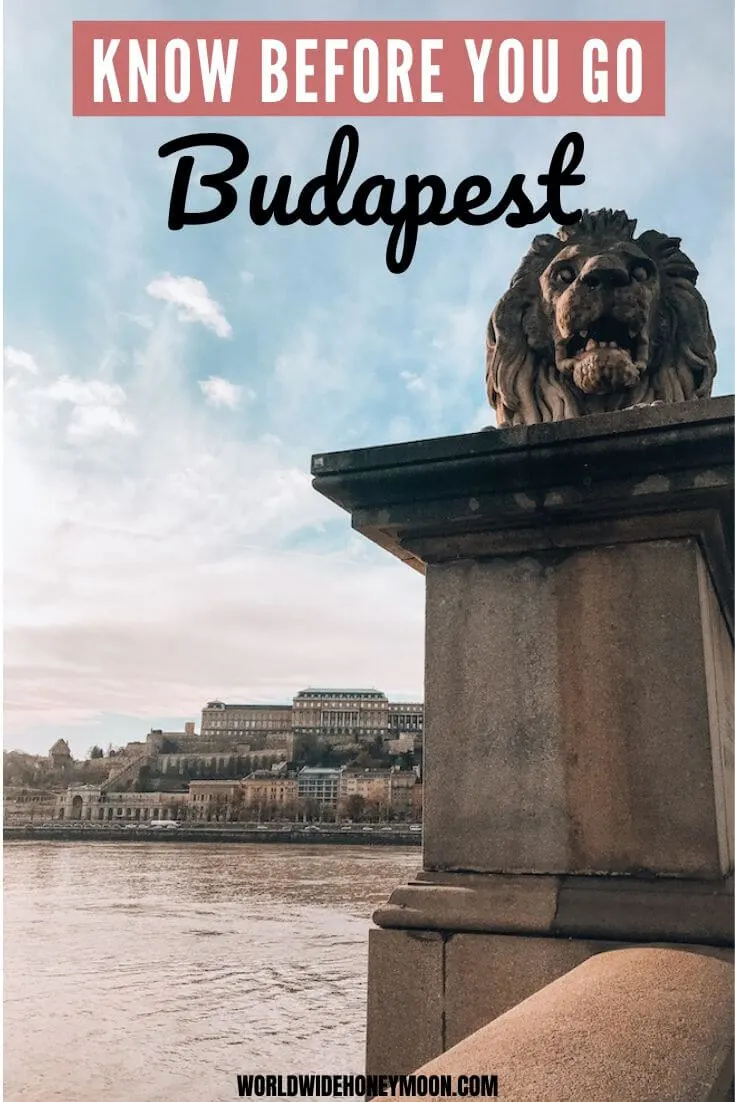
374, 200
369, 68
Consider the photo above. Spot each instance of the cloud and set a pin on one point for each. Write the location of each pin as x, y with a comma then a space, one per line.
413, 382
67, 410
84, 392
95, 409
138, 319
267, 624
88, 422
192, 300
433, 391
118, 562
219, 392
17, 358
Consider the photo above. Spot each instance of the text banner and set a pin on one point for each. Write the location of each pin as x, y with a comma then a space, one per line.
357, 68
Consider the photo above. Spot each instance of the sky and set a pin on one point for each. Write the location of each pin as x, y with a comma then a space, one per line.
164, 392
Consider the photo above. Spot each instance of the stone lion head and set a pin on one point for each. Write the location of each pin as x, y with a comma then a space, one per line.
596, 319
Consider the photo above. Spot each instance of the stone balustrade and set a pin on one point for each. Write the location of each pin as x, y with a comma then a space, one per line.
634, 1025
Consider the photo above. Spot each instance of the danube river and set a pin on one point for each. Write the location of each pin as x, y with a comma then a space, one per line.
156, 972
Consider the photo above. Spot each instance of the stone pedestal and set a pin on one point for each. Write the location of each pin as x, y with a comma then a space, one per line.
578, 753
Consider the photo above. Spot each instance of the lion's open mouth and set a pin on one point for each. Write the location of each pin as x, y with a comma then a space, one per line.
609, 354
606, 332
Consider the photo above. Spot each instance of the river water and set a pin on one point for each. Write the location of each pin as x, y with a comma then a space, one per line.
155, 972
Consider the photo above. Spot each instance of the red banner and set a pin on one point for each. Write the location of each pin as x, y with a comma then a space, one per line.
356, 68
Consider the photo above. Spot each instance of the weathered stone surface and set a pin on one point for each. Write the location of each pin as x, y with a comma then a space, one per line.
719, 669
637, 1025
567, 725
456, 901
578, 737
654, 473
627, 908
427, 995
686, 434
654, 909
487, 975
405, 1025
587, 325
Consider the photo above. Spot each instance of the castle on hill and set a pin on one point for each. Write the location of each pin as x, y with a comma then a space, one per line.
325, 747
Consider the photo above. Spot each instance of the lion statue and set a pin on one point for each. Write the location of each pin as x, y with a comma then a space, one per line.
596, 319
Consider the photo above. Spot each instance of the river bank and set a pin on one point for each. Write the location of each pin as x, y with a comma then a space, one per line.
309, 835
